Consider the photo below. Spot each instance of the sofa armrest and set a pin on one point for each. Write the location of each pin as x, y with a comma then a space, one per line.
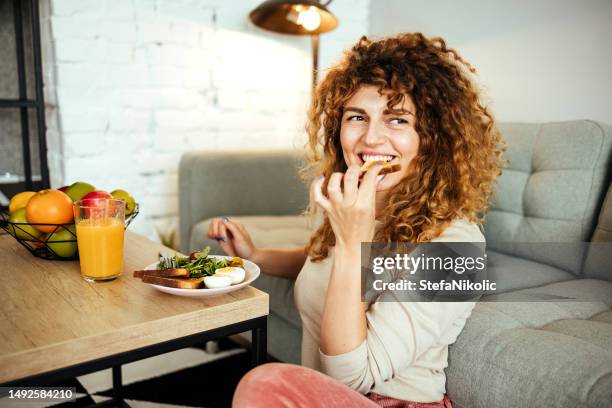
218, 183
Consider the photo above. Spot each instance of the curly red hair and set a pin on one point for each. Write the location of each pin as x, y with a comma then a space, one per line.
460, 149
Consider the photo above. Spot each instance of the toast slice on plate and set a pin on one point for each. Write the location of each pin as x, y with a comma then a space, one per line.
164, 273
180, 283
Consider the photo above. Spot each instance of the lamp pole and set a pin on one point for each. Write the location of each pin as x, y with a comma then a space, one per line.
315, 59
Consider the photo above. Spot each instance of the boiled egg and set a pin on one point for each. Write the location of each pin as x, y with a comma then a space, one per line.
215, 282
236, 261
236, 274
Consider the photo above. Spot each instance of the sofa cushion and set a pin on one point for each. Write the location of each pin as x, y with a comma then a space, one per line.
605, 317
556, 354
581, 292
551, 189
598, 263
267, 232
603, 231
239, 182
512, 272
281, 231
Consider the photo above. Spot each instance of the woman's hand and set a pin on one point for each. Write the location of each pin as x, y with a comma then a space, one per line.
351, 212
352, 215
232, 237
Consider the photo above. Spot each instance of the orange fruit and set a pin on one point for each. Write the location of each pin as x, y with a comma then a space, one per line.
20, 200
49, 207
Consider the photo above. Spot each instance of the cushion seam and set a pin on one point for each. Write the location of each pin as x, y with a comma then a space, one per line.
586, 169
595, 166
529, 216
526, 327
572, 336
590, 198
600, 313
531, 167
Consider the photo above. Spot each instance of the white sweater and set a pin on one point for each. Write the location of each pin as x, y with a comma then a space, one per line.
406, 348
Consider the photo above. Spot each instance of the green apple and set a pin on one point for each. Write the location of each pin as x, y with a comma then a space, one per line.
77, 190
130, 203
25, 232
63, 249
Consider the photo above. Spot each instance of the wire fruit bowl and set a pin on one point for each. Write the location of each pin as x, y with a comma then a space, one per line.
43, 247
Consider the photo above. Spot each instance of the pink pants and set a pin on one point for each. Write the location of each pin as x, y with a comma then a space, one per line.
277, 385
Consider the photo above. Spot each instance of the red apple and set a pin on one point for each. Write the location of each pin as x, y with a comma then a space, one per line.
95, 196
94, 199
63, 189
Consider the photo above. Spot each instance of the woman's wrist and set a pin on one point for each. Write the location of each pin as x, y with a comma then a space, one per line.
347, 260
348, 250
255, 256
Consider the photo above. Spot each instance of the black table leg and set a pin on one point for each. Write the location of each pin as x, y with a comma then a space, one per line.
117, 382
259, 341
118, 388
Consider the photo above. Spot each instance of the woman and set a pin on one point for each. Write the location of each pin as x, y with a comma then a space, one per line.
406, 100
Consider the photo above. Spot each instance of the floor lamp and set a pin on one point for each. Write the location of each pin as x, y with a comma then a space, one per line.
297, 17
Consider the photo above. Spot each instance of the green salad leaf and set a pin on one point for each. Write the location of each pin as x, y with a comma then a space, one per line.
202, 265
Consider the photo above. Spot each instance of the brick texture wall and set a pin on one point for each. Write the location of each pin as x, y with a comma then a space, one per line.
133, 84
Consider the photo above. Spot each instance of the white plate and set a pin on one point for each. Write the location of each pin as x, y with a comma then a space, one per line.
252, 273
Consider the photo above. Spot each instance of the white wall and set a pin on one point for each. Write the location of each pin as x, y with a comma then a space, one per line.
542, 60
133, 84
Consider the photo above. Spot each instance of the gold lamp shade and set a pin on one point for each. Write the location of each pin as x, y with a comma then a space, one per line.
297, 17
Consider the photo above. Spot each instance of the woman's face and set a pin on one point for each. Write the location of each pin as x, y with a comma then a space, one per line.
369, 131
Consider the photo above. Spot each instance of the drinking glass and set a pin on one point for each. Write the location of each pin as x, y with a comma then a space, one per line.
100, 236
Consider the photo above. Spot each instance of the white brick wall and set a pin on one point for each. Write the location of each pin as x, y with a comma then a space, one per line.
133, 84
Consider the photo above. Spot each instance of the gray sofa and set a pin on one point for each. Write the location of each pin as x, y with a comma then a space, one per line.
510, 354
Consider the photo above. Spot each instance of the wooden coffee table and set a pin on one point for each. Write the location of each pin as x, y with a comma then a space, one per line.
56, 326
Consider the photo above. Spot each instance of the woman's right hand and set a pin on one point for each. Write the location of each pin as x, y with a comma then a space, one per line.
232, 237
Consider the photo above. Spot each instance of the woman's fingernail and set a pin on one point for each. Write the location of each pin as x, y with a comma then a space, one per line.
225, 219
220, 239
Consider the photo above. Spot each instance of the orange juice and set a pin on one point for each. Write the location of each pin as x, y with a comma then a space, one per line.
100, 244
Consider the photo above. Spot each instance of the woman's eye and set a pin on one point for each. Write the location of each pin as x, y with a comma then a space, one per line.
398, 121
355, 118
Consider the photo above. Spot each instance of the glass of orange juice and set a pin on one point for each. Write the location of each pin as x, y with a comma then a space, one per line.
100, 233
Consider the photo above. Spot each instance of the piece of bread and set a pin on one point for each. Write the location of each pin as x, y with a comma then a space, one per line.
387, 167
168, 273
181, 283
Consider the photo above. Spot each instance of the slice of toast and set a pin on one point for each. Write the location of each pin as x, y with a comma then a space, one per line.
387, 167
168, 273
181, 283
